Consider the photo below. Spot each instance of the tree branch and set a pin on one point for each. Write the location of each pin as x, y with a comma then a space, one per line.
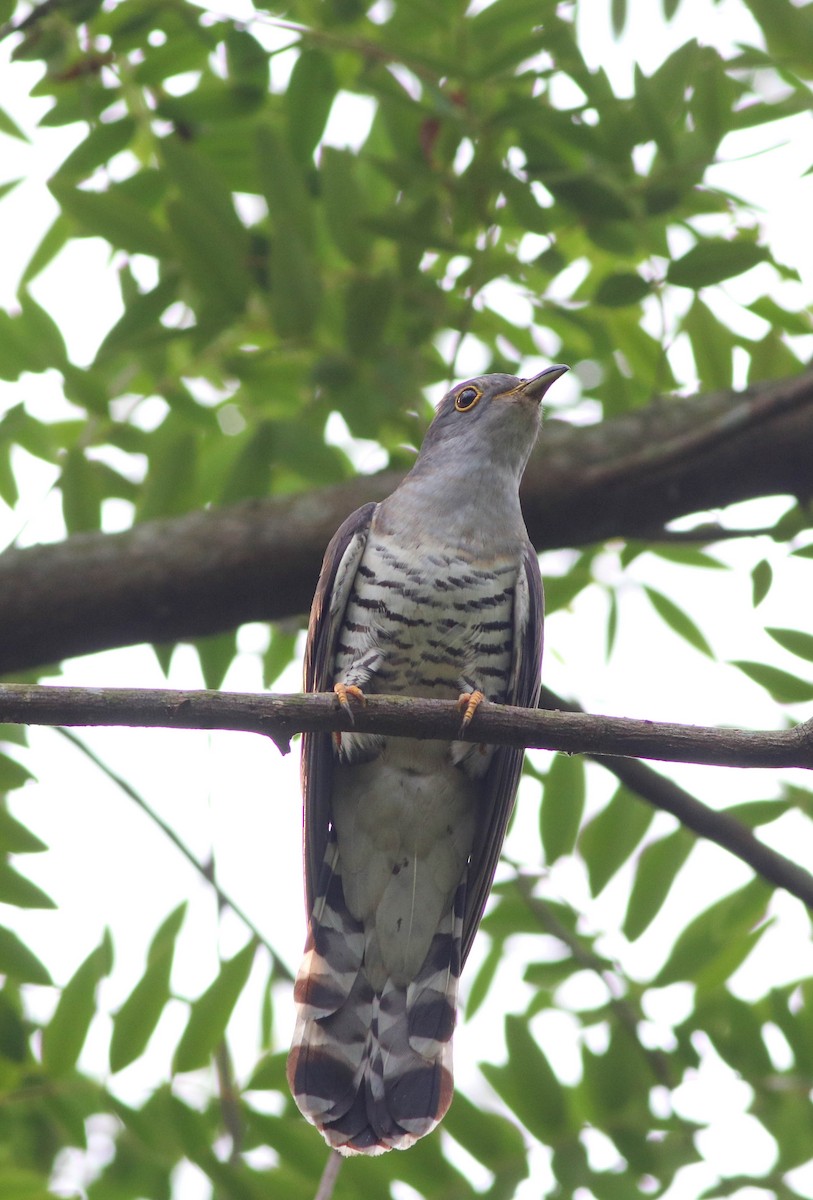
279, 717
209, 571
726, 831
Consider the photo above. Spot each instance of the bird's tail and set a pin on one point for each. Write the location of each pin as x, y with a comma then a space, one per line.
372, 1068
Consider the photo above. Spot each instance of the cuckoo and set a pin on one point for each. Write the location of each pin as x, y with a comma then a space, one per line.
433, 592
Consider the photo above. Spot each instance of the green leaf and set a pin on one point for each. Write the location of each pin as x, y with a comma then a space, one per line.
16, 889
780, 685
140, 323
81, 496
8, 186
617, 1079
216, 654
759, 812
344, 204
612, 624
10, 127
17, 961
772, 358
794, 640
64, 1035
309, 99
618, 16
678, 621
280, 652
211, 1011
562, 806
12, 774
788, 33
295, 288
41, 335
212, 252
714, 944
609, 839
113, 215
185, 51
712, 345
657, 868
48, 248
368, 303
13, 351
621, 289
528, 1085
16, 838
588, 196
491, 1139
170, 487
102, 143
135, 1022
781, 318
269, 1074
761, 579
714, 260
248, 60
283, 184
18, 1183
250, 474
480, 984
687, 556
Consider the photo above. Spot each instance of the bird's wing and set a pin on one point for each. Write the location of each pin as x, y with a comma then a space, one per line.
502, 779
339, 567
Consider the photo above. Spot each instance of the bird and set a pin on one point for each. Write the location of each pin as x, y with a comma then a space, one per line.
433, 592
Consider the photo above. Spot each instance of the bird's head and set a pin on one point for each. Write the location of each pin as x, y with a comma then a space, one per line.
491, 420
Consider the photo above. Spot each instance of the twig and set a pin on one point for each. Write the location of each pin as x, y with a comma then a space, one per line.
718, 827
329, 1176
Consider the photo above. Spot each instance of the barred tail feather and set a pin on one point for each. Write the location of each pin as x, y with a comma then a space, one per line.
372, 1069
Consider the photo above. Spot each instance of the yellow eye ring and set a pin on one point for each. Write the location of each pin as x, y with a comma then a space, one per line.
467, 399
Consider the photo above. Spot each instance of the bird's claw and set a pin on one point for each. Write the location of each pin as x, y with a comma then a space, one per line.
343, 694
468, 703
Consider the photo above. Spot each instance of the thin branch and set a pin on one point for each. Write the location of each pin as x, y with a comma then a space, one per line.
279, 717
663, 793
329, 1176
223, 898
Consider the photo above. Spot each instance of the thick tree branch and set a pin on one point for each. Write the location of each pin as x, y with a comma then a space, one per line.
278, 717
209, 571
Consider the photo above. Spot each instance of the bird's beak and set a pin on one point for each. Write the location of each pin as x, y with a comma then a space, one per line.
535, 387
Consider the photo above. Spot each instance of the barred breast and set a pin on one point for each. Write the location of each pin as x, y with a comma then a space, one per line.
432, 625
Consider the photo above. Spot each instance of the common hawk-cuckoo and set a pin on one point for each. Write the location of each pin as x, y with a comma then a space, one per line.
434, 592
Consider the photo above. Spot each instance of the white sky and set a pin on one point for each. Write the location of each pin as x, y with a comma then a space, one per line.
231, 792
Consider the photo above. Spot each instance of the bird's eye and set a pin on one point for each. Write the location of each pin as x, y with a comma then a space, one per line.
467, 399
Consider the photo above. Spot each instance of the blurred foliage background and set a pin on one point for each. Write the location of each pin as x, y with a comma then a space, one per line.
484, 200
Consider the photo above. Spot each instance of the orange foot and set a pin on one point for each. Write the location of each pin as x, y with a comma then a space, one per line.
468, 703
343, 693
